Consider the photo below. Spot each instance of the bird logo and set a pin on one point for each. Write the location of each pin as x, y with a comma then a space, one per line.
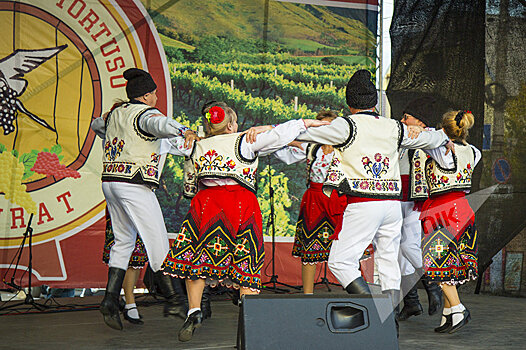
13, 84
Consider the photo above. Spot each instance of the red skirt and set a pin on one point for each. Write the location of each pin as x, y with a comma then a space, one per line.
450, 210
449, 243
319, 217
220, 239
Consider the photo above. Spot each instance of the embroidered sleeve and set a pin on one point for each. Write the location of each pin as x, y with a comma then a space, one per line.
176, 147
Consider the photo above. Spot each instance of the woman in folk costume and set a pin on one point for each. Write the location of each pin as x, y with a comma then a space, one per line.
221, 237
137, 261
365, 169
132, 166
319, 215
450, 238
418, 112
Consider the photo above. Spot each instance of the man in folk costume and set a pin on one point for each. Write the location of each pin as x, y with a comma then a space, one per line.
419, 112
132, 165
365, 168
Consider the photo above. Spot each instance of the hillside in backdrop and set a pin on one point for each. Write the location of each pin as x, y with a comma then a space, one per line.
294, 28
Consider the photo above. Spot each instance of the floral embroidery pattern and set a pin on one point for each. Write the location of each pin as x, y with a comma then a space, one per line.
419, 183
334, 174
374, 185
378, 167
249, 174
319, 168
212, 161
464, 176
151, 170
155, 158
113, 149
437, 181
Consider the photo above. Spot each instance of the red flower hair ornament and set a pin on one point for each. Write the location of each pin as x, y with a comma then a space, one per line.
215, 115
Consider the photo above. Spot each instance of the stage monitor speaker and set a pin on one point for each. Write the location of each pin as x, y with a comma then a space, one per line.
315, 322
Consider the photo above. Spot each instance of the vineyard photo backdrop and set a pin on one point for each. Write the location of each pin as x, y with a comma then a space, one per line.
61, 66
271, 64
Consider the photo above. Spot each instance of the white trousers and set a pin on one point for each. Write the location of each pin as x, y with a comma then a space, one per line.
410, 256
379, 222
134, 209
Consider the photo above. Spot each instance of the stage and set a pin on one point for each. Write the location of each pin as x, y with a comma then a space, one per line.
497, 323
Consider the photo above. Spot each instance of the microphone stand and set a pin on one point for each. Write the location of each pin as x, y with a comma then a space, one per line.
271, 224
324, 280
29, 300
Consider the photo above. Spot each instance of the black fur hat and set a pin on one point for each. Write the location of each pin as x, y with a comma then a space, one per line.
361, 92
139, 82
423, 109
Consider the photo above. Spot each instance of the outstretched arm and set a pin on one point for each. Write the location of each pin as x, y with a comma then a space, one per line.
156, 124
280, 136
427, 139
336, 133
175, 146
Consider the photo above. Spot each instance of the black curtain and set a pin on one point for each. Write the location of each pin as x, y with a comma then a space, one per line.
471, 55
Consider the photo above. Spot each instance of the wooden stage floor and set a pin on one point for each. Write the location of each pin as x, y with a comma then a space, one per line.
497, 323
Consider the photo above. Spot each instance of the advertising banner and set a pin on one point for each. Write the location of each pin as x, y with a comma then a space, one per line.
61, 66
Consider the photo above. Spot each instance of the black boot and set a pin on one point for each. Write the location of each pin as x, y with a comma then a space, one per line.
206, 308
395, 299
358, 286
109, 307
192, 322
236, 297
434, 295
172, 290
412, 306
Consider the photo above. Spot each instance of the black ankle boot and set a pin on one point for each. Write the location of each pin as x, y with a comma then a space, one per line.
109, 307
395, 300
358, 286
434, 295
192, 322
206, 308
172, 290
412, 306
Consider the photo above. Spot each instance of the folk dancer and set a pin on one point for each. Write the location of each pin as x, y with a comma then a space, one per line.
132, 151
365, 168
319, 215
137, 261
450, 237
418, 112
221, 237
